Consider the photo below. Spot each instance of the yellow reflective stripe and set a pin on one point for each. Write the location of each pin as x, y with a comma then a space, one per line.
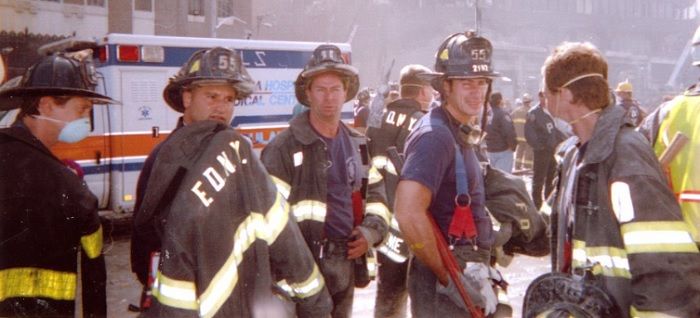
312, 210
92, 243
276, 219
255, 226
374, 175
634, 312
175, 293
372, 266
37, 282
379, 209
658, 237
309, 287
282, 186
382, 162
520, 139
606, 260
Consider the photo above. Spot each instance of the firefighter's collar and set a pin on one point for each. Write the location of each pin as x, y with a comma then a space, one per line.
300, 127
601, 144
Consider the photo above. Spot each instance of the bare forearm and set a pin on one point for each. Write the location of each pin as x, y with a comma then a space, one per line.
411, 204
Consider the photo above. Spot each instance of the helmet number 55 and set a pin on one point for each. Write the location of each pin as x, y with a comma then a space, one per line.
225, 61
479, 54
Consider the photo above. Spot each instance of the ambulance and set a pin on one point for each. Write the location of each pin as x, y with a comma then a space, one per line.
134, 69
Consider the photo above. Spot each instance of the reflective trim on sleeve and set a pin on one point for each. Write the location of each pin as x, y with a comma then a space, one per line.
255, 226
621, 199
309, 210
282, 186
382, 162
175, 293
634, 312
276, 219
379, 209
658, 237
37, 282
605, 260
309, 287
374, 175
92, 243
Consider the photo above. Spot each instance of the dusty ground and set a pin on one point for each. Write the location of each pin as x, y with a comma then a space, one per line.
123, 289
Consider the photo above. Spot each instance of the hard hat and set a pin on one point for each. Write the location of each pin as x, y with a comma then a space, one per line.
326, 58
696, 47
209, 66
527, 98
61, 74
625, 86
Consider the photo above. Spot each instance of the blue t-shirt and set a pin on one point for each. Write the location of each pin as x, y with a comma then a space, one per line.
341, 176
430, 161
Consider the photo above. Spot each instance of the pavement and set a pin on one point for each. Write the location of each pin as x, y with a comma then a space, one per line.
123, 288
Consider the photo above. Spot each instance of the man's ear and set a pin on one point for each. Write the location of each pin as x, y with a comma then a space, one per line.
186, 98
45, 105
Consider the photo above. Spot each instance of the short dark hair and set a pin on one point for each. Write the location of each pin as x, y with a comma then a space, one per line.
31, 105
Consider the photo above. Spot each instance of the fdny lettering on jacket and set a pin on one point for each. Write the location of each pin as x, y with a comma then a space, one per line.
216, 178
393, 119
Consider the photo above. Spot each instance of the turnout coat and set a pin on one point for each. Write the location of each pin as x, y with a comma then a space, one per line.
628, 231
47, 216
228, 241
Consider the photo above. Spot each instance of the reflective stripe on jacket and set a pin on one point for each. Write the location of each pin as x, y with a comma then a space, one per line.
628, 228
228, 241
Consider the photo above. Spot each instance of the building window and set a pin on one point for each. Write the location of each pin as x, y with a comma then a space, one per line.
78, 2
224, 8
143, 5
196, 7
97, 3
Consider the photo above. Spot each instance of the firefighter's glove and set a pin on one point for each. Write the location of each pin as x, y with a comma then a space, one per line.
451, 291
479, 272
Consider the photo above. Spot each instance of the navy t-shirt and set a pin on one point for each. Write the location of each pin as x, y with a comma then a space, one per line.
340, 175
430, 161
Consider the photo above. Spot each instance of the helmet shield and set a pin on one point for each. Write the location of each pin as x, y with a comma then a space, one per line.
213, 66
327, 58
61, 74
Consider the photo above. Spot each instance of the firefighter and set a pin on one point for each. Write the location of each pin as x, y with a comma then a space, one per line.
186, 92
618, 224
322, 166
523, 152
224, 233
680, 115
49, 215
433, 186
397, 122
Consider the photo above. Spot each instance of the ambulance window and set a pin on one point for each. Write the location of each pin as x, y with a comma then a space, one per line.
196, 7
143, 5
